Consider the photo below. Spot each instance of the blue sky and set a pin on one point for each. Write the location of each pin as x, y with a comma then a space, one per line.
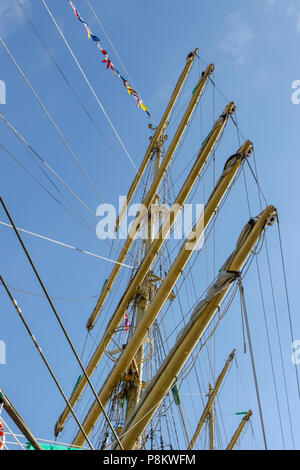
254, 47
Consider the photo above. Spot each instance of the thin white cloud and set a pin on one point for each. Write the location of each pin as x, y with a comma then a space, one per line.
289, 8
238, 38
11, 16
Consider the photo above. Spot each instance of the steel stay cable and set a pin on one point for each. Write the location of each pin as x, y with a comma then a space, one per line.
273, 296
51, 120
79, 218
44, 359
58, 318
29, 149
271, 357
34, 294
243, 302
266, 326
69, 83
89, 84
12, 434
26, 144
287, 297
110, 42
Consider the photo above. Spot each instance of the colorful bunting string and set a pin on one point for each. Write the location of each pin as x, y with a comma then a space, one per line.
127, 322
108, 62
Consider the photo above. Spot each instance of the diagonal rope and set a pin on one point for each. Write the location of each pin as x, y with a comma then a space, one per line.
80, 250
60, 322
89, 85
44, 358
271, 356
243, 302
26, 144
287, 297
81, 103
52, 120
78, 217
110, 42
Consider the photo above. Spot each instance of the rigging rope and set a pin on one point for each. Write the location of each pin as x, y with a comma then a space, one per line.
44, 359
271, 356
89, 85
67, 246
243, 302
108, 62
52, 121
34, 294
81, 103
267, 328
28, 146
109, 40
287, 297
59, 320
79, 218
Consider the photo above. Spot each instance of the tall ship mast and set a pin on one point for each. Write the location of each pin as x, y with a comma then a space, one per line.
132, 390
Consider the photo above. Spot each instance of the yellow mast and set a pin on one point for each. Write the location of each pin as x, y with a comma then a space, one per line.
144, 297
212, 397
143, 269
151, 194
239, 431
163, 123
190, 335
139, 277
231, 168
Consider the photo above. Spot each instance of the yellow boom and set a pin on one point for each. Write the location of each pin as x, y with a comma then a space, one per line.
117, 316
194, 330
151, 193
231, 168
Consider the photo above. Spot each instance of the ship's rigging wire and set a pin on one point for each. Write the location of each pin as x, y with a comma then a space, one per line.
246, 396
79, 218
79, 250
89, 85
111, 44
12, 434
267, 329
52, 122
32, 152
271, 356
214, 218
40, 439
76, 95
150, 410
58, 319
283, 270
260, 193
193, 284
35, 294
44, 359
243, 274
243, 303
243, 170
279, 342
236, 287
287, 296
